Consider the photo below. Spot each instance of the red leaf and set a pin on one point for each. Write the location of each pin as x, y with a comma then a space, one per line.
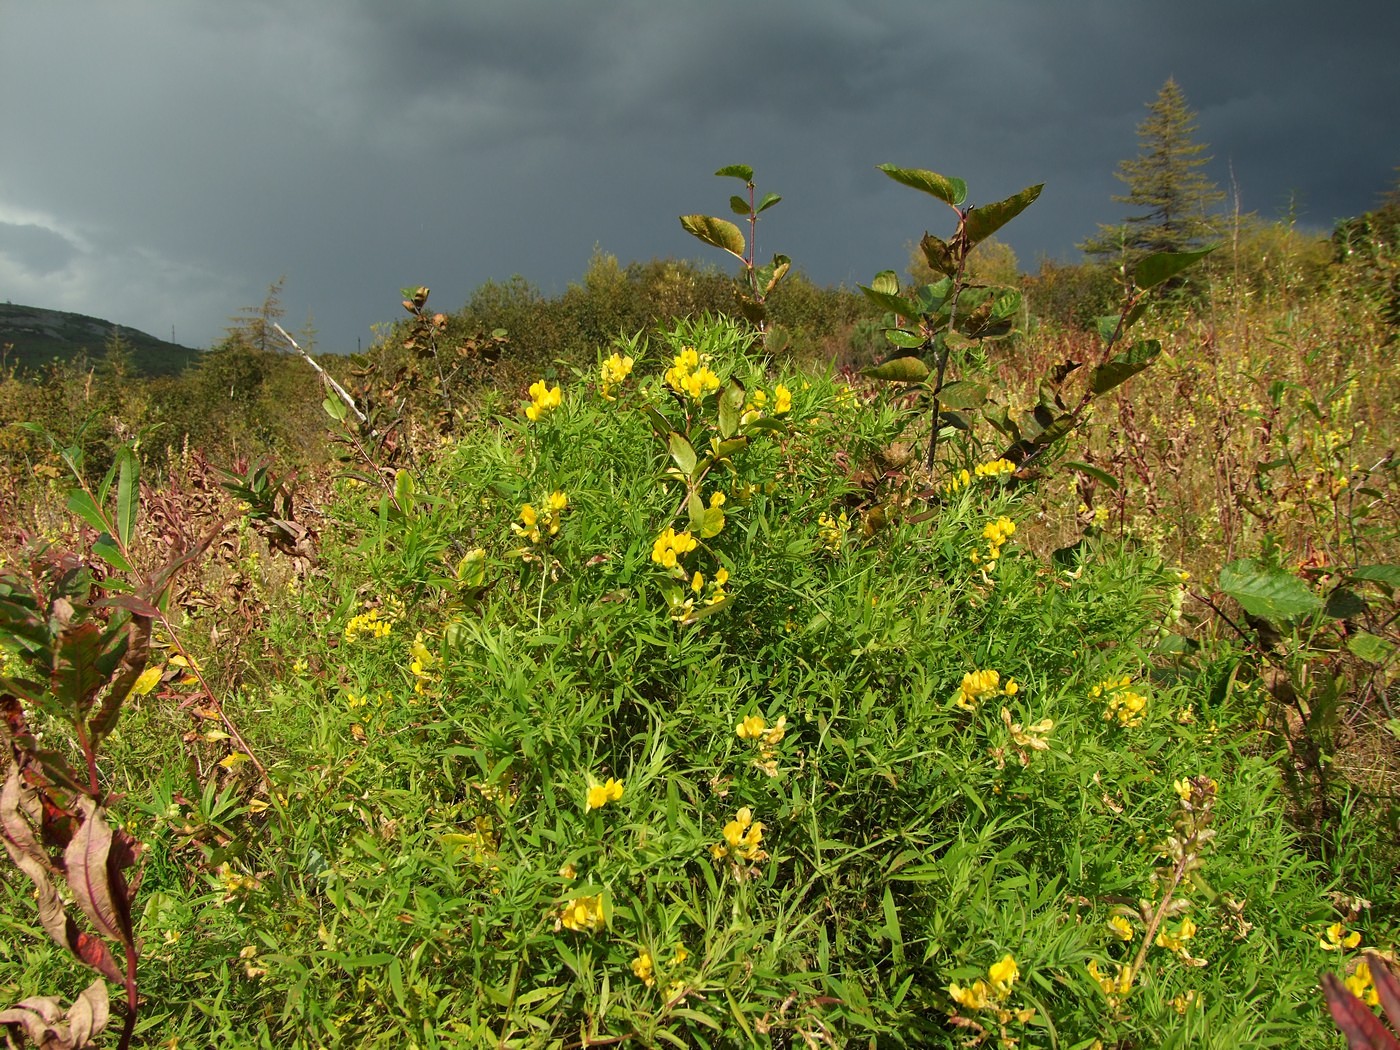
1362, 1028
94, 873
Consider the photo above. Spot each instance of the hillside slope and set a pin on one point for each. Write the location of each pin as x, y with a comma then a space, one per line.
38, 336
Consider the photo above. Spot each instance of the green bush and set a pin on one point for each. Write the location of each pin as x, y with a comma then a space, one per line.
827, 771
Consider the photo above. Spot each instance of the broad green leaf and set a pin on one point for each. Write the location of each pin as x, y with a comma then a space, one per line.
886, 282
1270, 593
81, 504
683, 453
899, 370
1133, 316
1124, 366
717, 232
904, 339
963, 394
128, 496
695, 509
938, 254
1389, 574
738, 205
1094, 472
950, 191
769, 199
1370, 647
731, 407
334, 407
1162, 266
896, 304
984, 221
770, 275
1106, 326
737, 171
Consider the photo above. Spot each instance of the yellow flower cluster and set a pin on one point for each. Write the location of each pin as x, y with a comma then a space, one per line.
584, 915
765, 737
832, 531
671, 546
682, 608
614, 370
691, 375
996, 533
757, 405
535, 526
997, 468
599, 795
1126, 707
1337, 938
368, 625
743, 839
544, 399
421, 666
1362, 985
1116, 986
979, 685
991, 995
1177, 942
644, 969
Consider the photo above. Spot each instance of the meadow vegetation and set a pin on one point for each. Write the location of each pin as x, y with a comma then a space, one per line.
969, 659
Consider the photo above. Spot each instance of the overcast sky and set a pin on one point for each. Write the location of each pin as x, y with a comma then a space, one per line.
162, 162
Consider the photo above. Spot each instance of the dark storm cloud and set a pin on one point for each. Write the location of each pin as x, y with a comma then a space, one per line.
34, 248
190, 153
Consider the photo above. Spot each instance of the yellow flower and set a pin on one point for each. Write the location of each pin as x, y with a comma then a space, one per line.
689, 375
599, 795
1003, 974
831, 531
744, 838
584, 915
1176, 942
995, 469
976, 997
782, 400
978, 685
543, 400
1362, 985
643, 970
1336, 938
614, 370
671, 546
1182, 1003
568, 872
1121, 928
1120, 984
751, 728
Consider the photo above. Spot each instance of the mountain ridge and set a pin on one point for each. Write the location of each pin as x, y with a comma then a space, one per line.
34, 336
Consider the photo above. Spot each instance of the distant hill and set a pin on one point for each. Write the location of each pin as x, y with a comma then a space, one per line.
40, 336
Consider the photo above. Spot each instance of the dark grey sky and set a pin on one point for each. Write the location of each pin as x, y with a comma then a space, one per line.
162, 161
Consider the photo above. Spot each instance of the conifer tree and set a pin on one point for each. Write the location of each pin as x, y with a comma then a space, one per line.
252, 325
1169, 194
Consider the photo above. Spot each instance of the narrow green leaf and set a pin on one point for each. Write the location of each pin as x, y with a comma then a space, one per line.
984, 221
963, 393
128, 495
1094, 472
1162, 266
899, 370
1124, 366
81, 504
403, 491
1270, 593
950, 191
737, 171
683, 453
769, 199
716, 232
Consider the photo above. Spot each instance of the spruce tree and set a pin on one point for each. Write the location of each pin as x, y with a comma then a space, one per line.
1169, 194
